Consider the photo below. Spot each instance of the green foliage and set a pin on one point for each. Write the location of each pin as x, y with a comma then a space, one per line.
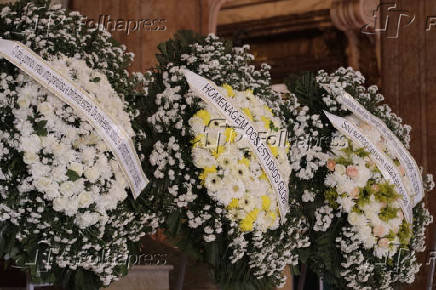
388, 213
331, 195
40, 128
386, 193
305, 87
361, 152
364, 195
72, 175
405, 233
346, 161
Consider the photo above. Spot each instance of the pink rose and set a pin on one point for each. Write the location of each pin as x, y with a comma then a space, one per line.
379, 231
383, 243
352, 171
331, 164
355, 192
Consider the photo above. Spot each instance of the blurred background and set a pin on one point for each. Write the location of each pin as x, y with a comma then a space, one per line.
393, 43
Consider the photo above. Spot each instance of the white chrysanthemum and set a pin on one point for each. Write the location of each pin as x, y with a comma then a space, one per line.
357, 219
78, 153
202, 158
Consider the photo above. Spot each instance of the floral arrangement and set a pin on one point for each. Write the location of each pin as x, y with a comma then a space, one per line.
208, 187
360, 236
66, 211
372, 203
251, 201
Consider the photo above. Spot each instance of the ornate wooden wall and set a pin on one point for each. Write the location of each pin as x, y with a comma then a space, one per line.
292, 36
186, 14
409, 85
295, 36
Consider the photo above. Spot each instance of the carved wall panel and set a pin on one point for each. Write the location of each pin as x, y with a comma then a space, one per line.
171, 15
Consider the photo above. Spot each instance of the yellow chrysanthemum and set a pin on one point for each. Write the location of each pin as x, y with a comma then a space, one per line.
266, 202
247, 112
246, 225
218, 151
204, 115
266, 122
230, 134
197, 141
272, 215
249, 91
252, 215
267, 108
206, 172
274, 150
263, 175
229, 90
288, 146
233, 204
245, 161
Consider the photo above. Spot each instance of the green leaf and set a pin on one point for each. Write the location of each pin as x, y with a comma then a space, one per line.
72, 175
272, 127
40, 128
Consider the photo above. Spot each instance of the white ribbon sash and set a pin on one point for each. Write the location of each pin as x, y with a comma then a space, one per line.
114, 135
384, 164
209, 93
406, 160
